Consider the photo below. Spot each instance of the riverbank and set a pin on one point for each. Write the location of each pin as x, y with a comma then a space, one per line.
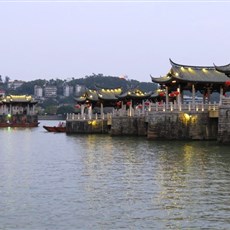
51, 117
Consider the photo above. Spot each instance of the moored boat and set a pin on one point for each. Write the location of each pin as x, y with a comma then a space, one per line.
19, 125
61, 128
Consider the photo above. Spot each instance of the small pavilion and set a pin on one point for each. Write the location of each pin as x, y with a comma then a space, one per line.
17, 104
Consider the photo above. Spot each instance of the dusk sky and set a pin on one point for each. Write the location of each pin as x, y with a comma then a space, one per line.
44, 40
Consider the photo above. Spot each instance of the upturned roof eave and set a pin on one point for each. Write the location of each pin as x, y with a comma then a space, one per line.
223, 69
190, 66
162, 80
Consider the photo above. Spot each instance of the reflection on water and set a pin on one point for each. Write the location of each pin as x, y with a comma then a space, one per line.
59, 181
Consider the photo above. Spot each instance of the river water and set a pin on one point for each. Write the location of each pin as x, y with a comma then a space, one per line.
58, 181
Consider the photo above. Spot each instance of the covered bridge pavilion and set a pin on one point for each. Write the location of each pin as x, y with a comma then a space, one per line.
205, 79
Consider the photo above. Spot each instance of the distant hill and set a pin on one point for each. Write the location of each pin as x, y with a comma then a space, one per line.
112, 82
88, 81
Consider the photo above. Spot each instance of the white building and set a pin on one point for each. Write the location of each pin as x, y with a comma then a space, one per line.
67, 90
2, 93
38, 91
79, 89
15, 84
50, 91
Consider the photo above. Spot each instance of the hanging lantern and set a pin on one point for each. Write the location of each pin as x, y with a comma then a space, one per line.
147, 103
118, 103
139, 106
161, 94
172, 95
77, 106
227, 83
176, 93
128, 103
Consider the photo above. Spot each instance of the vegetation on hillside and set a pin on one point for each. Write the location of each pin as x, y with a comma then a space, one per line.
64, 105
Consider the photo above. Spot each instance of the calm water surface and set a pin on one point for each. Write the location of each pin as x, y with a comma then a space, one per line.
56, 181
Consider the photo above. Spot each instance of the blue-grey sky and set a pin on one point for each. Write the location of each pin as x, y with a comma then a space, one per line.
74, 39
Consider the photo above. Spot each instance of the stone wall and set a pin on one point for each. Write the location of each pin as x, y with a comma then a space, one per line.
128, 126
224, 124
87, 127
182, 126
158, 125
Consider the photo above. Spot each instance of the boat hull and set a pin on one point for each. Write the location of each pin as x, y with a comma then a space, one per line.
55, 129
19, 125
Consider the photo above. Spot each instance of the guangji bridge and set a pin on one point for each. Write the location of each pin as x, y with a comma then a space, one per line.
163, 114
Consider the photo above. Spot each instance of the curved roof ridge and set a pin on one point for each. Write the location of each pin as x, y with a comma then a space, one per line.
220, 66
190, 66
102, 87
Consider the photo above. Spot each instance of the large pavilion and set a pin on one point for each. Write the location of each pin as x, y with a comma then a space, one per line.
205, 79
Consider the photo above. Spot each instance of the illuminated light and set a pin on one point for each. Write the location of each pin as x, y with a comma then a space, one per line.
204, 70
177, 74
173, 81
91, 96
94, 122
9, 115
129, 93
89, 122
182, 68
187, 116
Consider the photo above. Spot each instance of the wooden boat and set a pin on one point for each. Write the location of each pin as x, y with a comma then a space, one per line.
56, 129
19, 125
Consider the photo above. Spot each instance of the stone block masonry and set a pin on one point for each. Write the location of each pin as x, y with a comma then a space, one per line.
87, 127
132, 126
162, 125
182, 126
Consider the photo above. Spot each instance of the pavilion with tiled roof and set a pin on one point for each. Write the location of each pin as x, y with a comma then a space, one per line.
18, 111
95, 97
206, 79
17, 104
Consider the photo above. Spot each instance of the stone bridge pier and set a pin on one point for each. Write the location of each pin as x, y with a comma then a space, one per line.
224, 122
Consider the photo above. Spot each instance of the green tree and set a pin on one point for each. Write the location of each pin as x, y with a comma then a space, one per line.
65, 109
51, 110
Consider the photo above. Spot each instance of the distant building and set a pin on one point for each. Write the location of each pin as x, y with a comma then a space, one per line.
67, 90
38, 91
79, 89
15, 84
50, 91
2, 93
